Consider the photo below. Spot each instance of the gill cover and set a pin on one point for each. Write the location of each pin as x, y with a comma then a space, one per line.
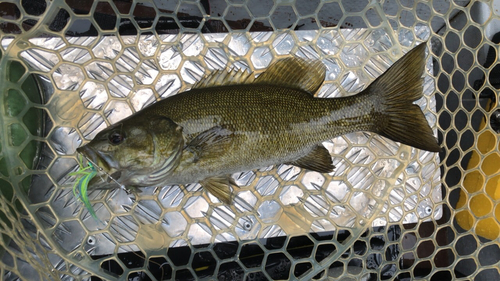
168, 143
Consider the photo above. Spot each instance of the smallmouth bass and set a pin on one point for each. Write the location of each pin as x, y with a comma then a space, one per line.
232, 122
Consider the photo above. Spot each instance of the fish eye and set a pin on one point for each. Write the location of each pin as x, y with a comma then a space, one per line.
116, 138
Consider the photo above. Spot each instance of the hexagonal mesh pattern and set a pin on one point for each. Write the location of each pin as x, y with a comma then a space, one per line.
72, 68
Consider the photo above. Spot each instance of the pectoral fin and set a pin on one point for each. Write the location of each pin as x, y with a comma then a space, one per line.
220, 187
211, 142
318, 160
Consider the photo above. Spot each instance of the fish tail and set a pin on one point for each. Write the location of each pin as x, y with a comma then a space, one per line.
394, 93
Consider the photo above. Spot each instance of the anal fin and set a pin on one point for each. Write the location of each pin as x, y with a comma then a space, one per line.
220, 187
318, 160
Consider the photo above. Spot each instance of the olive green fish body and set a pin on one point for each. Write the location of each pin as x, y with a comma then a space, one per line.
268, 125
231, 122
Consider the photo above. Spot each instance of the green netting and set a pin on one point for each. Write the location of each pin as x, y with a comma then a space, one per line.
71, 68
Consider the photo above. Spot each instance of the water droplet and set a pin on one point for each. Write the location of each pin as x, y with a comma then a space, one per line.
403, 155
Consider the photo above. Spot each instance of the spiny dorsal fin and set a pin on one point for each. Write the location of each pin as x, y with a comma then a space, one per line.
294, 73
318, 160
225, 77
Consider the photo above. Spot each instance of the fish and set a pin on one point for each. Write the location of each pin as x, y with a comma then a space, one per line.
232, 121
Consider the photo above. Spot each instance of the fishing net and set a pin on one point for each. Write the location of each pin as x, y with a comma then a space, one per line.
71, 68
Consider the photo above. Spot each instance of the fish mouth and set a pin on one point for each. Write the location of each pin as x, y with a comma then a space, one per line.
95, 158
102, 162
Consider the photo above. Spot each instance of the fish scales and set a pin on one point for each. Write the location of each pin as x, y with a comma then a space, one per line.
231, 122
271, 124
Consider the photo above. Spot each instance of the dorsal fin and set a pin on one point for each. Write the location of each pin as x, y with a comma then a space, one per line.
225, 77
294, 73
291, 72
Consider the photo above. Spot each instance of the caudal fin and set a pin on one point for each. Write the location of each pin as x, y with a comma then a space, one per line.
396, 90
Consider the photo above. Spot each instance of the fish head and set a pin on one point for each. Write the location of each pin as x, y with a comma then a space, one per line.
140, 151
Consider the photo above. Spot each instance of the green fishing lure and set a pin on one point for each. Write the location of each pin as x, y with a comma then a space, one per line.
84, 175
